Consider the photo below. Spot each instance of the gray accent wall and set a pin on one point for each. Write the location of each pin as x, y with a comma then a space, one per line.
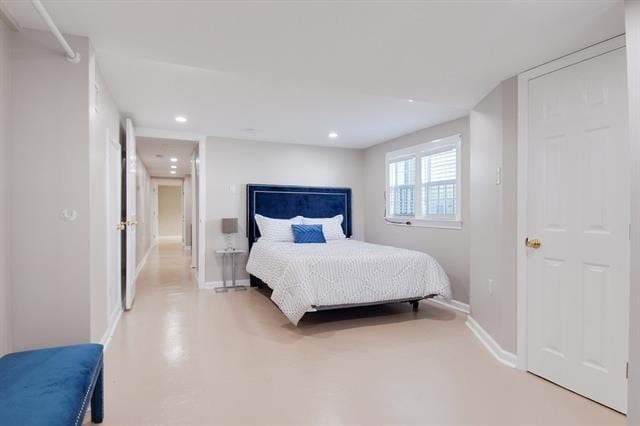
450, 247
48, 161
56, 157
233, 163
5, 87
632, 14
493, 218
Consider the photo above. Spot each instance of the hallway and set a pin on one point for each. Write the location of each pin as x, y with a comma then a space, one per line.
185, 356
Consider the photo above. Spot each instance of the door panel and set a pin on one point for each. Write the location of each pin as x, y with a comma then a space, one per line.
578, 198
113, 221
132, 220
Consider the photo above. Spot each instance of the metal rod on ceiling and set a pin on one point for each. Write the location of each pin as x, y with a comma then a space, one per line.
72, 56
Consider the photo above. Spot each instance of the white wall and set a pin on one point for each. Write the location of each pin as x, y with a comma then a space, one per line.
493, 215
632, 13
449, 247
187, 209
232, 164
5, 93
145, 204
49, 137
195, 208
169, 211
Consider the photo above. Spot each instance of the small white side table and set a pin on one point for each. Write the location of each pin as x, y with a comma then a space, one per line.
232, 254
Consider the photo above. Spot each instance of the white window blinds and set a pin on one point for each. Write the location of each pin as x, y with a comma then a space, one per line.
439, 183
402, 176
423, 183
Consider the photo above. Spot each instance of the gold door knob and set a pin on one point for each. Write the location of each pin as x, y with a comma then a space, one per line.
534, 244
121, 226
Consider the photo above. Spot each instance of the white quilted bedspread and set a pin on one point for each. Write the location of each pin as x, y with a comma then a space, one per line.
303, 276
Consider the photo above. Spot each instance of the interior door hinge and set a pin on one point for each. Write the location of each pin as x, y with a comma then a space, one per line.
627, 369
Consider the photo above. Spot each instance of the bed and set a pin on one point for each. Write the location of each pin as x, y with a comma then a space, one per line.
340, 273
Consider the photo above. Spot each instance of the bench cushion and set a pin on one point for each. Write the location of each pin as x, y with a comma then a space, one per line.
48, 386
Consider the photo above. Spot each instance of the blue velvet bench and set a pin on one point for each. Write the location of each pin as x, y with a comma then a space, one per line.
52, 386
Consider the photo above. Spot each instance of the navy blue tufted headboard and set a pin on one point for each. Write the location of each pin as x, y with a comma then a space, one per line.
284, 202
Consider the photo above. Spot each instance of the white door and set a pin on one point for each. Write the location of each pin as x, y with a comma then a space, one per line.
115, 227
578, 207
132, 219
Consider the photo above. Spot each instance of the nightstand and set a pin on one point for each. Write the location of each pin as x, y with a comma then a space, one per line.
232, 254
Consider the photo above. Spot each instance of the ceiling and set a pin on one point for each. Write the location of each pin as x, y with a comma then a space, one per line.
293, 71
156, 155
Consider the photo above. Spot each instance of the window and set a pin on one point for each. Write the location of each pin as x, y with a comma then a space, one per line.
402, 187
424, 184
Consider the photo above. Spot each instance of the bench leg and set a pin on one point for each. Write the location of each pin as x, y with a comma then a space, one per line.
97, 399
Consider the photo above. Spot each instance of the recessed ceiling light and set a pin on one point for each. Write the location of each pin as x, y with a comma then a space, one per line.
174, 160
333, 135
410, 100
181, 119
173, 172
173, 166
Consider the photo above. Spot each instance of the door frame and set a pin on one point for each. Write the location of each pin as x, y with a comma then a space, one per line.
201, 141
154, 202
587, 53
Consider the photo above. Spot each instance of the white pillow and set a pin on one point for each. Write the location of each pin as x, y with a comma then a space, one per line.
331, 227
277, 229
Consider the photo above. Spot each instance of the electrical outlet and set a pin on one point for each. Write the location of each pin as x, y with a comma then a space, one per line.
490, 286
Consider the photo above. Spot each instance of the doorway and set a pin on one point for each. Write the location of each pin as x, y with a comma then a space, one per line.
115, 227
166, 212
170, 217
123, 218
574, 223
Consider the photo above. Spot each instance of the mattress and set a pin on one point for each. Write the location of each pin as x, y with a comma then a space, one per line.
304, 277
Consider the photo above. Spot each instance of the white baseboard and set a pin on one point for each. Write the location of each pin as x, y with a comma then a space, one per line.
505, 357
218, 284
143, 261
453, 304
108, 334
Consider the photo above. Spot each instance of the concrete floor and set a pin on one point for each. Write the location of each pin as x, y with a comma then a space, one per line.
185, 356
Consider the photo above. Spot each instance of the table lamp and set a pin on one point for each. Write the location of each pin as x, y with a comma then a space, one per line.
229, 226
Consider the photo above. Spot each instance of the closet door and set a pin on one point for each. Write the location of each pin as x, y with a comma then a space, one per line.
578, 228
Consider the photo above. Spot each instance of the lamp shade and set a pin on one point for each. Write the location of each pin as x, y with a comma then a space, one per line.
230, 225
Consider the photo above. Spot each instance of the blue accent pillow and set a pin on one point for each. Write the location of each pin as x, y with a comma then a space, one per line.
303, 234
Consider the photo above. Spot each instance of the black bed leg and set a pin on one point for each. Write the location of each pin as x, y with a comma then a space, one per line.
416, 305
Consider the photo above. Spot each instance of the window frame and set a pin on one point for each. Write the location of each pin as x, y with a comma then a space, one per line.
418, 152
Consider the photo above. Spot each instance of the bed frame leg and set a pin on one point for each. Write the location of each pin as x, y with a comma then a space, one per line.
416, 305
